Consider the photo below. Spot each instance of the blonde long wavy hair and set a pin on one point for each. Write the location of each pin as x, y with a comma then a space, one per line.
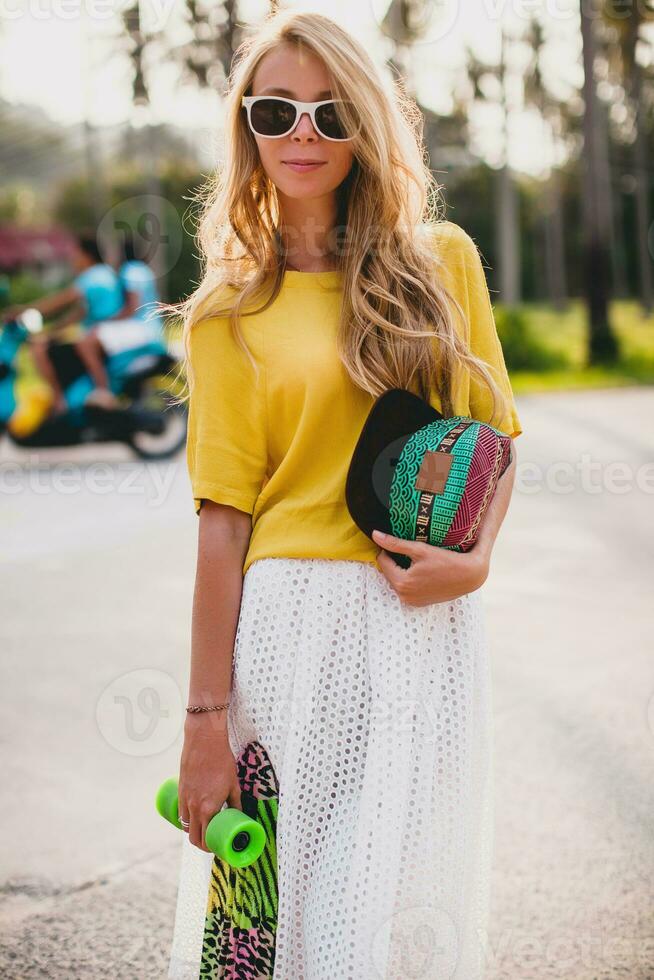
397, 325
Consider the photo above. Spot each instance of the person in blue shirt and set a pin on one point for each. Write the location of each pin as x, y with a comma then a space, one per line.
122, 329
133, 338
95, 295
100, 289
139, 284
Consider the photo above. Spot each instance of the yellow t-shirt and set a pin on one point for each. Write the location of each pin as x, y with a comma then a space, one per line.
279, 448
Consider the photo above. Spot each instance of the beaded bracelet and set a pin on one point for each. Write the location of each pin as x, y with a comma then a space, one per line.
215, 707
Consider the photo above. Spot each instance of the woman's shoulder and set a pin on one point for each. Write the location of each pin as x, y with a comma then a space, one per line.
449, 239
213, 327
458, 260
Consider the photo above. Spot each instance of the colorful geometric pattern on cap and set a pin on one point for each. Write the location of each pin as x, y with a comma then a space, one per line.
450, 519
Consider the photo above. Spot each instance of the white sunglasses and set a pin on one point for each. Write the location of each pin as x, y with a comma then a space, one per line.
273, 117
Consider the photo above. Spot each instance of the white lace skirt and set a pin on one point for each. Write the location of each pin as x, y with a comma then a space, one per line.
379, 715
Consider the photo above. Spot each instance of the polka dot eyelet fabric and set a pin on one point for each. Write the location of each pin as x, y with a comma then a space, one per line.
376, 716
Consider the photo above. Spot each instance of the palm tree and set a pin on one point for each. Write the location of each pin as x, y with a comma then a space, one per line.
205, 58
141, 98
506, 200
508, 222
603, 345
631, 74
550, 112
405, 22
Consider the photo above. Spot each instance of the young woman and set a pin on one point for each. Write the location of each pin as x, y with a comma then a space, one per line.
328, 280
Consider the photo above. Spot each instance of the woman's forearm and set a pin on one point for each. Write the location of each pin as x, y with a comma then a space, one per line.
222, 544
128, 308
496, 512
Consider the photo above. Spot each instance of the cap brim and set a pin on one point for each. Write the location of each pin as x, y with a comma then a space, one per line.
394, 417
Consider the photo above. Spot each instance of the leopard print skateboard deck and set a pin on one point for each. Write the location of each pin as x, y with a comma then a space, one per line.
241, 919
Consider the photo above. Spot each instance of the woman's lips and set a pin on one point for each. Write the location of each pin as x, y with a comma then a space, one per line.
303, 168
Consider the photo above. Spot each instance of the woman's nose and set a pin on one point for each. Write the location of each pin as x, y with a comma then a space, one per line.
304, 127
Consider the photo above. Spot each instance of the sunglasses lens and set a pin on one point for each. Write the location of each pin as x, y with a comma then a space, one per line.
329, 123
272, 117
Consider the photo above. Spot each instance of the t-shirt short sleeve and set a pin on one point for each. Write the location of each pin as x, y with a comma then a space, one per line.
101, 291
485, 343
226, 448
138, 277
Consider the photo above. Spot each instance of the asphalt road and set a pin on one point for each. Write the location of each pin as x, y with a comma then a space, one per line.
96, 578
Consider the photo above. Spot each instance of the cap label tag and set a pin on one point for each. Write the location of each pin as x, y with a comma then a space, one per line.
434, 471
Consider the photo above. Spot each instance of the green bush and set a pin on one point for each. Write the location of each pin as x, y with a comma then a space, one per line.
523, 351
22, 288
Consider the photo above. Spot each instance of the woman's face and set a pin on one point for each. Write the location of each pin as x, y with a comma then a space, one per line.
299, 74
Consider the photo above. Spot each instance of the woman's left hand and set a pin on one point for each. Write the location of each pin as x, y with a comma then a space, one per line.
435, 574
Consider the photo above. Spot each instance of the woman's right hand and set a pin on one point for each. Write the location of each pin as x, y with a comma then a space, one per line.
207, 777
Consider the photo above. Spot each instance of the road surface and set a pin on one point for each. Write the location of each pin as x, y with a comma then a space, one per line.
96, 578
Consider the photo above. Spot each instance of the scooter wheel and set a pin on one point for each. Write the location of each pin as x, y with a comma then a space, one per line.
167, 442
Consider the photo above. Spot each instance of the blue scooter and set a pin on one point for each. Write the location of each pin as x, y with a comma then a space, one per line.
150, 422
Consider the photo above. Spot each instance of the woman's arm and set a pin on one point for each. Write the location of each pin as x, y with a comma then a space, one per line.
495, 514
208, 769
47, 305
223, 539
75, 314
129, 307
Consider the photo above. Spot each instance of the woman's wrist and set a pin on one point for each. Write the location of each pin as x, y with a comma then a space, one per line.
209, 696
212, 718
206, 723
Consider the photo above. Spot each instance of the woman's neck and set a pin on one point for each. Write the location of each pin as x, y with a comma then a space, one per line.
306, 233
329, 265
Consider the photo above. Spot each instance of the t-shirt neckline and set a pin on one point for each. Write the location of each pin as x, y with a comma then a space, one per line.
328, 277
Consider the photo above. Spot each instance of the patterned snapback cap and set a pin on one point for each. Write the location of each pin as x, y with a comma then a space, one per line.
423, 477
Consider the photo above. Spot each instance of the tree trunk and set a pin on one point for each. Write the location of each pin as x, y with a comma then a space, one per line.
620, 264
603, 145
642, 196
556, 278
508, 234
602, 346
557, 285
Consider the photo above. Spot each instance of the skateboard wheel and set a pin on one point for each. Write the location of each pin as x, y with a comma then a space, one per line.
167, 802
230, 834
235, 837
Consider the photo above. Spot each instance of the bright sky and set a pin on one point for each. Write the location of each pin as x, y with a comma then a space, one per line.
57, 54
